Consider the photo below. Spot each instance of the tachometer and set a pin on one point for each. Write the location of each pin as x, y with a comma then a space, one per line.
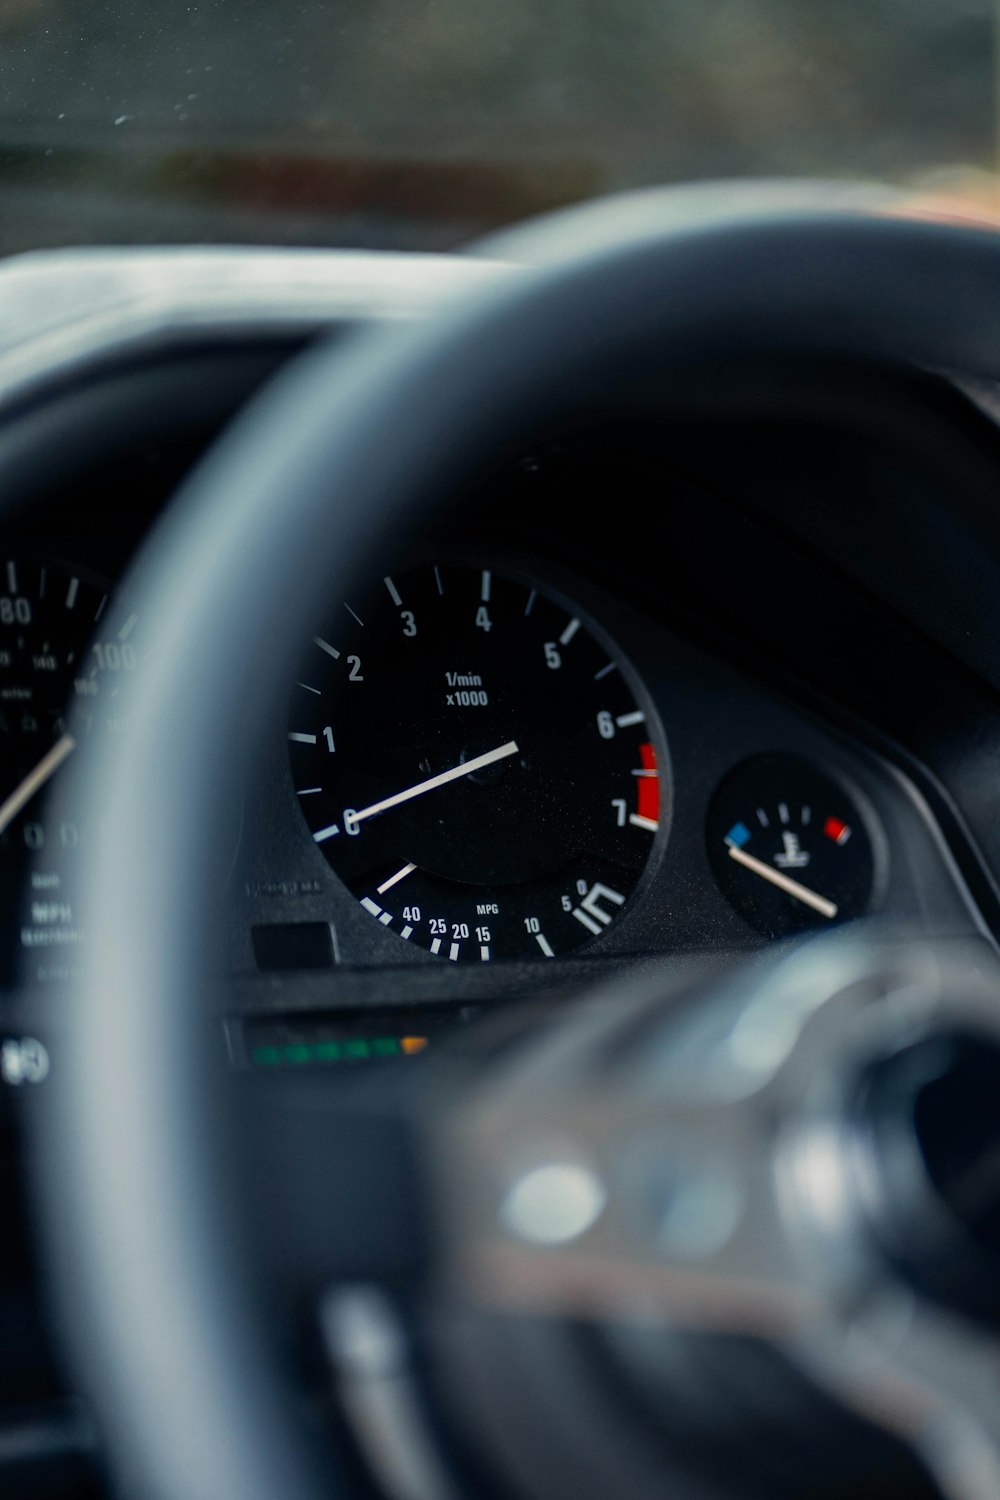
477, 764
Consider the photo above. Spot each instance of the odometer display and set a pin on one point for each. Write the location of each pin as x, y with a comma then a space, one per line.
476, 766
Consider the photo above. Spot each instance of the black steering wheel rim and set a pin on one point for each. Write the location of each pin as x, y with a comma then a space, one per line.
349, 446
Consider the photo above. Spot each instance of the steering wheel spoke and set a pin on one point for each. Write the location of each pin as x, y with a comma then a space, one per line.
591, 1203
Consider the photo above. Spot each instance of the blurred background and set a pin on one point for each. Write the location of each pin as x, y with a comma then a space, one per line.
420, 123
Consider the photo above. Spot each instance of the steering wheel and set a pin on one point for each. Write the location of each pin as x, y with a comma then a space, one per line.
152, 1267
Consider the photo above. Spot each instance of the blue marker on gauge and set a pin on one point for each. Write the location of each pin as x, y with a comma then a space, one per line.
738, 835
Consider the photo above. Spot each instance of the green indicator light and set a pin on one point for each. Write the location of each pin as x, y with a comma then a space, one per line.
266, 1057
351, 1049
327, 1052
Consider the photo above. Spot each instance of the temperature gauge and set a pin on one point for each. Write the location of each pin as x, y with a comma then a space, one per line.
788, 847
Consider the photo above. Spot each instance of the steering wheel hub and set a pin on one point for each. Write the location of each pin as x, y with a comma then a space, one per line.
930, 1125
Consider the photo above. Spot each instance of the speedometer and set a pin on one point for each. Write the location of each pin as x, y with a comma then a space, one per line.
61, 663
478, 765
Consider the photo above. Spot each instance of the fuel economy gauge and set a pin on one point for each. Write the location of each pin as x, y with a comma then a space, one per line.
788, 847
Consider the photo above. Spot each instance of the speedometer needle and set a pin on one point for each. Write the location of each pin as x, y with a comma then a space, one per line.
36, 779
465, 769
790, 887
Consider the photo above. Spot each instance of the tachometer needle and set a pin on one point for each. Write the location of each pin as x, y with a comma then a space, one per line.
478, 763
36, 779
791, 887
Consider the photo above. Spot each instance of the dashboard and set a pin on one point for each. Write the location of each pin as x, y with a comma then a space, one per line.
520, 754
494, 767
652, 691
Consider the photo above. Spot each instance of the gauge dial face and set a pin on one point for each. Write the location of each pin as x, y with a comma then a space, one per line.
58, 677
473, 761
788, 847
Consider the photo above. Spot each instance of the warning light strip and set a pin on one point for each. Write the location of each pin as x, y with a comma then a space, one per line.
348, 1049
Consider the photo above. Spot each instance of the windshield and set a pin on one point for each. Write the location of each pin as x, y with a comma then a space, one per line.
421, 123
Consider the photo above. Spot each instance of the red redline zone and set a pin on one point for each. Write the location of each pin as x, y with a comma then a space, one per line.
649, 786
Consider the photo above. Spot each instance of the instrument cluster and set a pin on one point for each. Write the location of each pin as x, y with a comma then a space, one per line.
491, 768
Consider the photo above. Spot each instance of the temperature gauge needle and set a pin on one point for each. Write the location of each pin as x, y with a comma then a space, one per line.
791, 887
465, 769
36, 779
